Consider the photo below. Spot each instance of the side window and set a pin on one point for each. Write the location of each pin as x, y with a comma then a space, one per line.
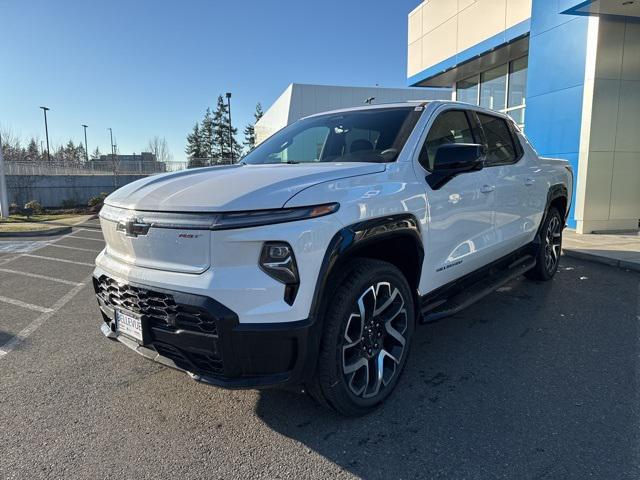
450, 127
500, 147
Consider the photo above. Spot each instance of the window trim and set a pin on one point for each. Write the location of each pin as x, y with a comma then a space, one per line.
467, 113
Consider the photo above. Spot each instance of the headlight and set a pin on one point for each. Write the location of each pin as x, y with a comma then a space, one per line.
278, 261
218, 221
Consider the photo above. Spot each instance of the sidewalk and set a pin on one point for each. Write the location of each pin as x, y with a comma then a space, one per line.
620, 250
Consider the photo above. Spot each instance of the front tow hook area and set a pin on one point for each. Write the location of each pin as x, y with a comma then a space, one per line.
107, 332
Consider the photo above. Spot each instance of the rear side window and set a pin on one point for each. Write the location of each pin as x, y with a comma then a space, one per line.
451, 126
501, 149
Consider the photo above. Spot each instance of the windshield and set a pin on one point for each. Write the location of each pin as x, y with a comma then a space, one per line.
375, 135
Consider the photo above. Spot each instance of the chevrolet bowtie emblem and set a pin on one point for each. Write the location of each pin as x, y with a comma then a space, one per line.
133, 227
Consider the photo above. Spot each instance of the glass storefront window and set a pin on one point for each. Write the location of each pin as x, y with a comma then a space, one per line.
517, 82
493, 88
467, 90
503, 88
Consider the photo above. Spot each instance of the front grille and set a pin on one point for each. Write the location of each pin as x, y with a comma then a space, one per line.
159, 308
184, 333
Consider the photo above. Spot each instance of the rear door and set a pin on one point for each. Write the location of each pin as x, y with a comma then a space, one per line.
514, 176
460, 233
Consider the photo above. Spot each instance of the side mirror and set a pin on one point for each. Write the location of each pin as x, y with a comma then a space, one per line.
453, 159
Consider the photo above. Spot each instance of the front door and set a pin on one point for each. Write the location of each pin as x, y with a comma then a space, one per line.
460, 236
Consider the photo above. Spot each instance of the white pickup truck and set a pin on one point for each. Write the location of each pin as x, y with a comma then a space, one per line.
312, 261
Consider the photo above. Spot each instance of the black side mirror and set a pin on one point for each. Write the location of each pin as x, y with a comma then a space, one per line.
453, 159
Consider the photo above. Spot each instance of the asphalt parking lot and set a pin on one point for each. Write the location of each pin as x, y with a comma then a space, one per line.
539, 380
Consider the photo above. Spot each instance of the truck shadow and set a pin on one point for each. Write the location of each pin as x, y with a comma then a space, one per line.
532, 382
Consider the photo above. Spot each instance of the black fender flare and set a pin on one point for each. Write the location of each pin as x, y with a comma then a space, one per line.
346, 242
556, 191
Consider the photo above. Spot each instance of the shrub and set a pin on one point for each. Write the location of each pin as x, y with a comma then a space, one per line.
14, 209
32, 208
96, 202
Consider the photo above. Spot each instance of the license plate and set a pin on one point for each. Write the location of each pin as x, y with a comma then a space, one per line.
129, 325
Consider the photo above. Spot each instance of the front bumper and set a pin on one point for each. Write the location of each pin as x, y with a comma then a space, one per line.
202, 337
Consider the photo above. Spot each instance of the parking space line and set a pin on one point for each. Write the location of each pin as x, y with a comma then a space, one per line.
42, 277
87, 238
22, 304
11, 259
33, 326
86, 264
90, 230
57, 245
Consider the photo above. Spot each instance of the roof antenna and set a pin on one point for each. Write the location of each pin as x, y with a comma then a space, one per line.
369, 100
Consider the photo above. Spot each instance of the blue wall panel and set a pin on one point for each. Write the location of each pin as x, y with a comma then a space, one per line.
555, 82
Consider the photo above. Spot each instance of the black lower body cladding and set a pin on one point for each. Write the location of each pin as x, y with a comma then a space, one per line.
201, 336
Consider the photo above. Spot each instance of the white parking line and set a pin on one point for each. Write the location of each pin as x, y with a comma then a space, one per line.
42, 277
57, 245
33, 326
22, 304
87, 238
11, 259
86, 264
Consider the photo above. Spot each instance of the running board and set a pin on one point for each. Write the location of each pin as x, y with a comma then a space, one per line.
447, 307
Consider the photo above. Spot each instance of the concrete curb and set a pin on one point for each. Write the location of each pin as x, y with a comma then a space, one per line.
37, 233
594, 257
51, 231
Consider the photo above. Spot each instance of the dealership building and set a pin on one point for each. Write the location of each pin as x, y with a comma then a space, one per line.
567, 71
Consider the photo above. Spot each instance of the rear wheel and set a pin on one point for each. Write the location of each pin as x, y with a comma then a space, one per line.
368, 328
548, 255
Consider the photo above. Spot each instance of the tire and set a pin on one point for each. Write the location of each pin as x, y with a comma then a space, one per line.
548, 255
348, 377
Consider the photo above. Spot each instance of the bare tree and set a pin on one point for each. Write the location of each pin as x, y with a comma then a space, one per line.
158, 146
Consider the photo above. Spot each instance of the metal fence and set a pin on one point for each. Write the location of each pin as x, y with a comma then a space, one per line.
99, 167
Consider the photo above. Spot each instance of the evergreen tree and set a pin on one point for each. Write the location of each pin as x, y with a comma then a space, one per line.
195, 147
221, 148
96, 153
33, 152
250, 131
207, 135
81, 153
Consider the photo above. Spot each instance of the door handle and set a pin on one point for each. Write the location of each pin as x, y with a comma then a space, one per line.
529, 181
488, 188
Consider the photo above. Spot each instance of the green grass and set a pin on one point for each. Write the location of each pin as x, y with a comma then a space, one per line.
45, 221
45, 217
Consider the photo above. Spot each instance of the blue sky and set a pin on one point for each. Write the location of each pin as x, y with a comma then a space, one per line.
150, 68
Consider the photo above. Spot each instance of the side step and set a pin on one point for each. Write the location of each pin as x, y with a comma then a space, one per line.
489, 284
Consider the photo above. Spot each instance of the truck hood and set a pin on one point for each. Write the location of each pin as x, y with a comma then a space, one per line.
231, 188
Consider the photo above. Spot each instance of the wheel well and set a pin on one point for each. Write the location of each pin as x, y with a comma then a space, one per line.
561, 204
403, 251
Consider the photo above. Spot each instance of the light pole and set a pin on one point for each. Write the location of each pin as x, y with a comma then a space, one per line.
113, 161
228, 95
46, 131
4, 201
111, 136
86, 150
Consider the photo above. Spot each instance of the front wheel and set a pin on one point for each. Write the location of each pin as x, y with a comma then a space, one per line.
548, 255
369, 324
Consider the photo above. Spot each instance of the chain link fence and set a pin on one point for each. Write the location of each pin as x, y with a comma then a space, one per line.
101, 167
58, 184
